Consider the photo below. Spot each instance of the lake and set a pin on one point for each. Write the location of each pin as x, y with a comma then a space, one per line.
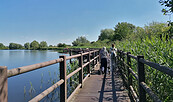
22, 88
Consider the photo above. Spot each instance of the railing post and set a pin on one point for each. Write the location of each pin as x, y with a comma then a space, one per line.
93, 60
96, 58
99, 56
121, 64
141, 76
88, 60
129, 74
81, 71
63, 87
70, 52
3, 84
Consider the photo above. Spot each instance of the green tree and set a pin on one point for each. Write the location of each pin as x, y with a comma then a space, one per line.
15, 46
80, 41
106, 34
34, 45
2, 46
50, 45
123, 29
43, 44
61, 45
27, 45
168, 10
155, 29
168, 6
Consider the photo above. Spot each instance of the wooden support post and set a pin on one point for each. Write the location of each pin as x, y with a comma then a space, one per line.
141, 76
81, 71
129, 74
119, 58
96, 58
121, 70
93, 60
88, 60
63, 87
3, 84
70, 52
124, 70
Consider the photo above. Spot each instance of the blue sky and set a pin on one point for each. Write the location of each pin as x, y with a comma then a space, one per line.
62, 21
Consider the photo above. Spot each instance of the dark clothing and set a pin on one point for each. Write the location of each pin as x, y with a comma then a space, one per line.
104, 64
103, 53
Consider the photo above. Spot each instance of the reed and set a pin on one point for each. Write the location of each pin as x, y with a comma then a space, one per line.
157, 50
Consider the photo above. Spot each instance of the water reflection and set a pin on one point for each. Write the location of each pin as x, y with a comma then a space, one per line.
23, 87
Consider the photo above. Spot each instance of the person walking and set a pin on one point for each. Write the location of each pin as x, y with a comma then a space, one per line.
103, 55
113, 54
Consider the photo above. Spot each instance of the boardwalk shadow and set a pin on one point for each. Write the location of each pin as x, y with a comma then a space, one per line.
113, 91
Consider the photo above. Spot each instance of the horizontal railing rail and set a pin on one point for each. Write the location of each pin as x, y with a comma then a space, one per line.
5, 74
24, 69
140, 75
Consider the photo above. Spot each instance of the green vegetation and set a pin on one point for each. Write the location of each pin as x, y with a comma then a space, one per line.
106, 34
80, 41
61, 45
159, 51
43, 45
2, 46
27, 45
34, 45
15, 46
123, 30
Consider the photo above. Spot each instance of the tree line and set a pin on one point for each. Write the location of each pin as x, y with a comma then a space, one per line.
34, 45
127, 31
122, 31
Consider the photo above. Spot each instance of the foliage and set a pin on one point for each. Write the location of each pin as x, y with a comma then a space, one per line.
80, 41
106, 34
155, 29
2, 46
15, 46
43, 45
27, 45
61, 45
123, 29
34, 45
159, 51
168, 6
73, 81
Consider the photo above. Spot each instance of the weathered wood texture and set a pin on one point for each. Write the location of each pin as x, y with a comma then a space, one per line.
63, 87
101, 88
140, 75
3, 84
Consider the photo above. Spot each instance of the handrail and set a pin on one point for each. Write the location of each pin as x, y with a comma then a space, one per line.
133, 73
24, 69
149, 91
134, 94
62, 81
74, 72
159, 67
132, 56
142, 85
47, 91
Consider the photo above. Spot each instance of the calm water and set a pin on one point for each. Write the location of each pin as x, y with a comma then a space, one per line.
24, 87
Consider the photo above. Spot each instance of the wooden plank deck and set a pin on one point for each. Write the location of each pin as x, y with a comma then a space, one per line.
102, 88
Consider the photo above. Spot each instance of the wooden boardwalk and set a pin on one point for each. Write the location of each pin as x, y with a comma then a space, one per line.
102, 88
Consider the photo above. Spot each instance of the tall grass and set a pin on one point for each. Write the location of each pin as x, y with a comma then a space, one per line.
74, 80
158, 50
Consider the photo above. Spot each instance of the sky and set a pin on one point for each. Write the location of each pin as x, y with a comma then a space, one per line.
62, 21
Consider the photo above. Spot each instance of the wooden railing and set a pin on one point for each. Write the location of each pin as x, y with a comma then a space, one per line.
139, 75
5, 74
